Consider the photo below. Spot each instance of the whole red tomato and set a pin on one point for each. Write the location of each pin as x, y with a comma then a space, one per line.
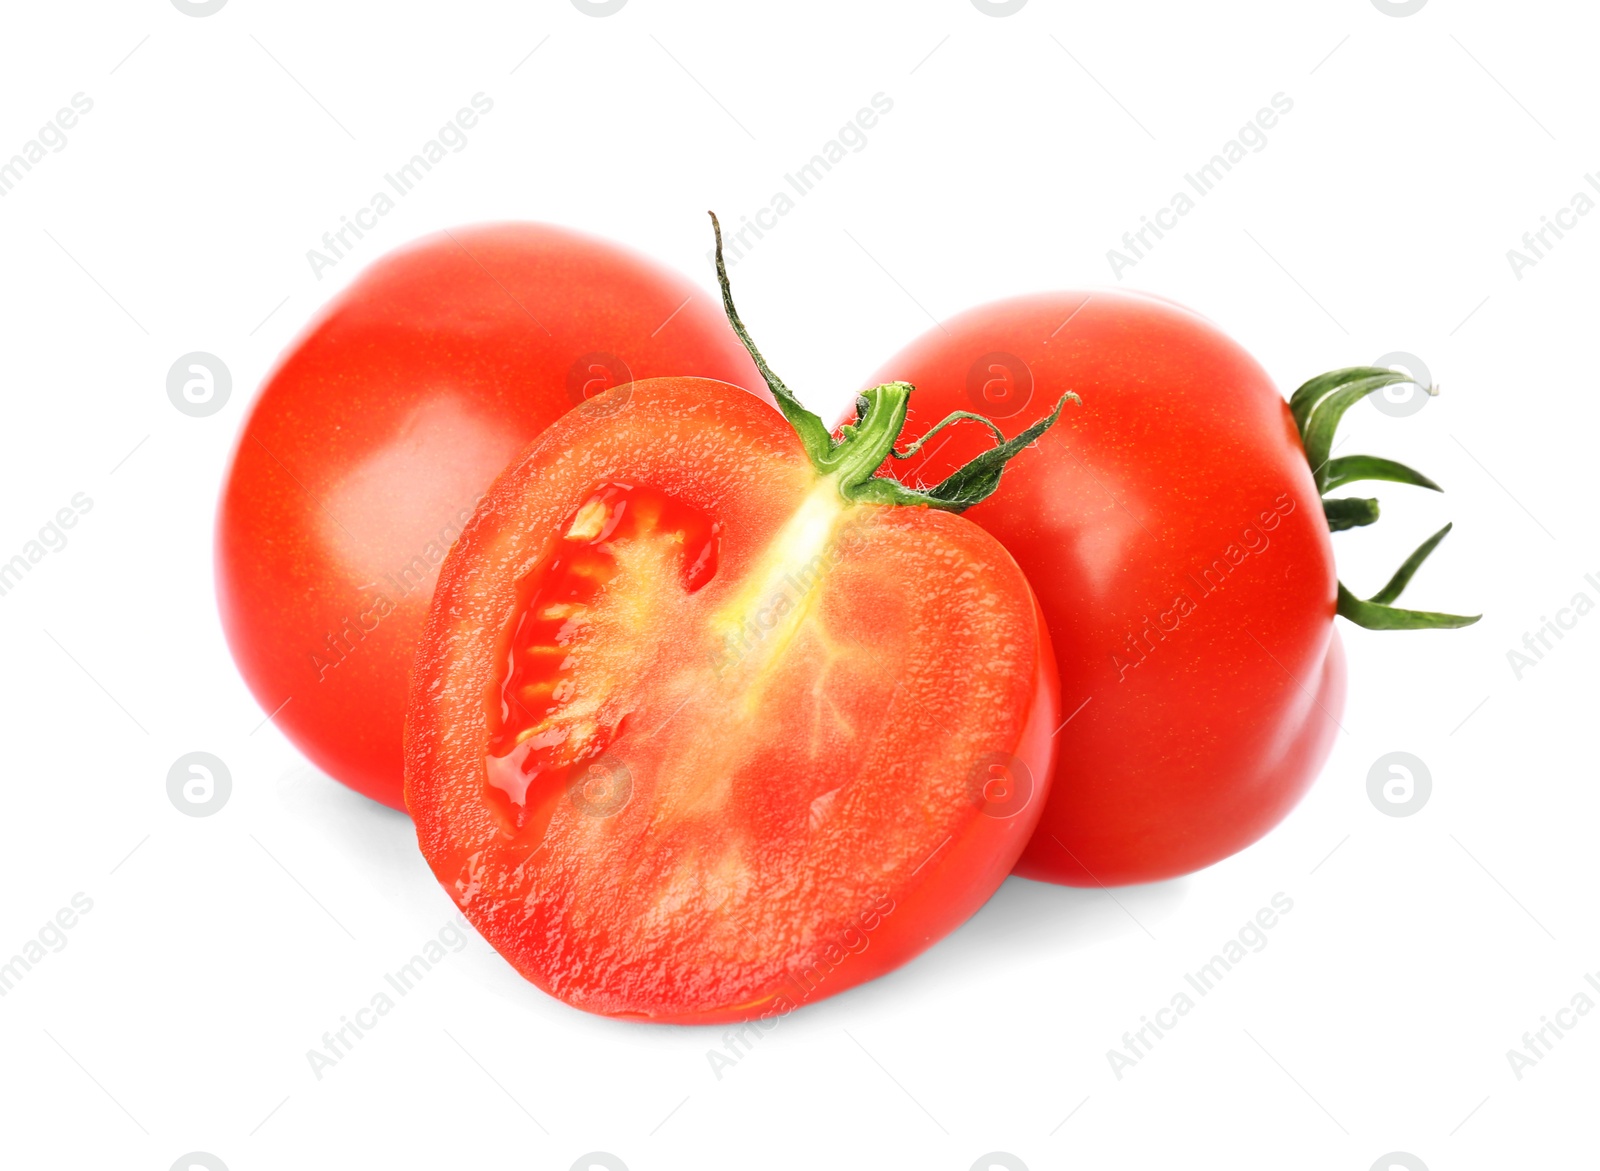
1175, 532
371, 443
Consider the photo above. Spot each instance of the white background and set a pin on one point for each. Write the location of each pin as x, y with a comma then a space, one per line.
1019, 149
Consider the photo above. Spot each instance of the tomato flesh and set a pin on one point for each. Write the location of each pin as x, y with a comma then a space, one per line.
780, 742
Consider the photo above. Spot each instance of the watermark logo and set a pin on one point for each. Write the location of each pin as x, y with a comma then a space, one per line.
603, 1160
999, 8
451, 138
1537, 1044
199, 1160
1399, 1160
1539, 242
339, 1043
1399, 784
1004, 1160
606, 403
1400, 8
1405, 398
51, 937
1002, 785
787, 598
52, 136
198, 784
1206, 580
1000, 384
373, 603
1535, 643
1140, 1043
594, 374
52, 538
852, 941
199, 384
851, 138
1251, 138
601, 789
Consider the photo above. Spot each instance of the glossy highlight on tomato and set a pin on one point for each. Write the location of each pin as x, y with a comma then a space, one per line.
383, 424
696, 737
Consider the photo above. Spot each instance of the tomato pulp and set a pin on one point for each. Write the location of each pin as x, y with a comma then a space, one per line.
709, 720
695, 737
371, 443
1174, 530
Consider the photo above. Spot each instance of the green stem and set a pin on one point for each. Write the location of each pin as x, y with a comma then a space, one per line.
812, 431
1317, 407
853, 458
860, 451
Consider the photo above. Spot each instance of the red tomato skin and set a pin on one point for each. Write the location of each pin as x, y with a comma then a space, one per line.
1188, 744
745, 468
382, 425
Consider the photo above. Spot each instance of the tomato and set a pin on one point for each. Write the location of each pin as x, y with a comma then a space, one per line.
372, 441
1174, 530
707, 722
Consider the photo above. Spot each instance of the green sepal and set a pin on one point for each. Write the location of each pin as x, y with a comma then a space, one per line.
1376, 616
1349, 512
977, 479
1317, 407
1408, 568
1327, 411
1311, 392
1350, 469
951, 418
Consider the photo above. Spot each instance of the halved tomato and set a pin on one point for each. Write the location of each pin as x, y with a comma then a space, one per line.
707, 722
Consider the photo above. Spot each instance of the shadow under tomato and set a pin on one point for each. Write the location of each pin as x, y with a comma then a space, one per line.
380, 839
1023, 922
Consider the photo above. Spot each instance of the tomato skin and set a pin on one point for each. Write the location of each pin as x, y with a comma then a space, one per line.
881, 876
371, 442
1195, 740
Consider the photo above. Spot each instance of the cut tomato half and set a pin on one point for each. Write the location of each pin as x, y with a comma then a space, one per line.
708, 721
693, 737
